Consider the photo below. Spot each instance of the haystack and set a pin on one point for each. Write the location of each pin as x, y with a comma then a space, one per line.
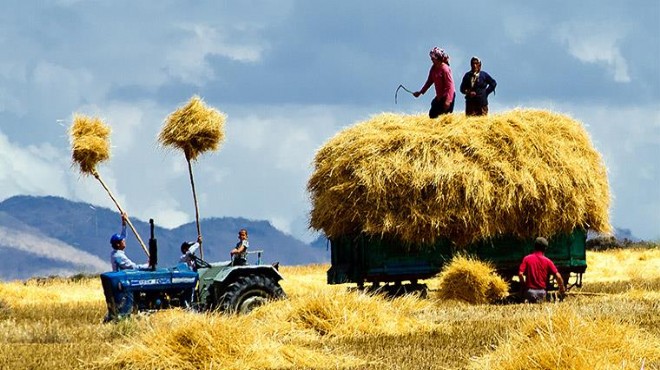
523, 173
470, 280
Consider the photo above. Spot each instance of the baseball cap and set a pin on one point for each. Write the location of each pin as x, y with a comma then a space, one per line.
116, 238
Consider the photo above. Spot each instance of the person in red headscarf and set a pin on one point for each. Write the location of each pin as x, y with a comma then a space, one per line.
440, 76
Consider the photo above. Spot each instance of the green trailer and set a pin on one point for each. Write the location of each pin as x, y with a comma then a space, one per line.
378, 260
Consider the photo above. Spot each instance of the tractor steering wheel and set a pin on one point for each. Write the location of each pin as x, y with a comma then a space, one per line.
200, 262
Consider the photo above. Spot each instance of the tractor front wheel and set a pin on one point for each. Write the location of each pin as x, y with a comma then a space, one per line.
249, 292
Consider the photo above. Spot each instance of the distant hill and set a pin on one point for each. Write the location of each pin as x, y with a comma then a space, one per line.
41, 236
625, 234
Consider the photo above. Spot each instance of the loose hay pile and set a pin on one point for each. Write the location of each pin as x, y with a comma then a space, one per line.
281, 335
472, 281
89, 143
523, 173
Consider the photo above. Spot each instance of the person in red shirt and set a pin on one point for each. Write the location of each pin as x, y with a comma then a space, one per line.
534, 271
440, 76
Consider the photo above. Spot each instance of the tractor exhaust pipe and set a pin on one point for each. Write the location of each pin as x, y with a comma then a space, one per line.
153, 247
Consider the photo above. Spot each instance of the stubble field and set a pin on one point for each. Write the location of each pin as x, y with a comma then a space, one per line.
612, 322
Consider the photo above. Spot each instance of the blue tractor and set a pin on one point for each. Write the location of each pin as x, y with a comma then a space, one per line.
209, 286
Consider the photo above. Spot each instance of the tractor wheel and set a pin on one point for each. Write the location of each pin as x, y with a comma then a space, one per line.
249, 292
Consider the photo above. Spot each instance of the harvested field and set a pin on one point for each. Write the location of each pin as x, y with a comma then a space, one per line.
610, 323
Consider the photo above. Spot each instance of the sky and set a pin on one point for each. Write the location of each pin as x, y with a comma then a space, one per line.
289, 75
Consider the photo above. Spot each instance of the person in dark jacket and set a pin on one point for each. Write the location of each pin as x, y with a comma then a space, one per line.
476, 86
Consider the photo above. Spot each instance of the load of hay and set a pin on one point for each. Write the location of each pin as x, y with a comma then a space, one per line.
523, 173
472, 281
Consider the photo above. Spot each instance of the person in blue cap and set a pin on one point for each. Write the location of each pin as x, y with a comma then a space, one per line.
118, 257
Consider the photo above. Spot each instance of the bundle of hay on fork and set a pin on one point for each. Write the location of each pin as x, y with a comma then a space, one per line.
90, 146
194, 129
522, 173
89, 143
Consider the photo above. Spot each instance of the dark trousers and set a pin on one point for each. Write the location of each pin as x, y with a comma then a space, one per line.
535, 295
475, 109
239, 261
437, 107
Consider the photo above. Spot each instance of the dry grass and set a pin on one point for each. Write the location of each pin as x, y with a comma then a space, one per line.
470, 280
56, 323
523, 172
563, 339
89, 137
193, 128
88, 126
623, 264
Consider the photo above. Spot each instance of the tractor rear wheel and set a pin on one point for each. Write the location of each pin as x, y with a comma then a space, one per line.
249, 292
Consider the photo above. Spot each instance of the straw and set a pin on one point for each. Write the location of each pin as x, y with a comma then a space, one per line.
90, 146
522, 173
193, 129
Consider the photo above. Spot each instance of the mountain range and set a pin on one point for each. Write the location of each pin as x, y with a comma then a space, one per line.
44, 236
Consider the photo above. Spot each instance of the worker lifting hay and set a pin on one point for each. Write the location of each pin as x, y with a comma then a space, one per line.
522, 173
90, 146
194, 129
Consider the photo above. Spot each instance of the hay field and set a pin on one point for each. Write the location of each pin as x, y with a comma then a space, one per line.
611, 323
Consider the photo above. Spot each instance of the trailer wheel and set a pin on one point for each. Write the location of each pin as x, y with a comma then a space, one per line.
249, 292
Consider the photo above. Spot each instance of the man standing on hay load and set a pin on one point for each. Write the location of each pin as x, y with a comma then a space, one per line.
476, 86
440, 76
534, 271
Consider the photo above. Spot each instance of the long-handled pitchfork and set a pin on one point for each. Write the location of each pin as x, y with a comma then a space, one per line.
397, 91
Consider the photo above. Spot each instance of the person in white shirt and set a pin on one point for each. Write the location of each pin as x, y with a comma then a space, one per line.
188, 250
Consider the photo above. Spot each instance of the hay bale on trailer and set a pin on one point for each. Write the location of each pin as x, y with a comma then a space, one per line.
521, 173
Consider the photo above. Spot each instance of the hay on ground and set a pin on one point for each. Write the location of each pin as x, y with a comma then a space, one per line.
193, 128
472, 281
523, 173
564, 339
89, 143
